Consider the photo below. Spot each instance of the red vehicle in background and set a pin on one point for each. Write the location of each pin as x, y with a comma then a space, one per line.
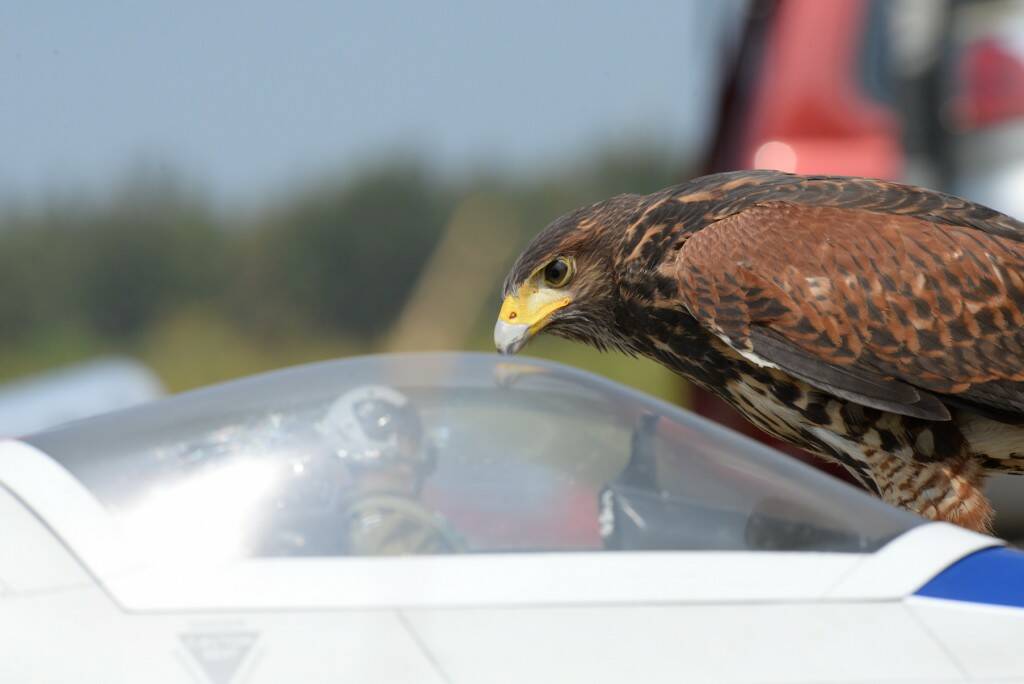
813, 104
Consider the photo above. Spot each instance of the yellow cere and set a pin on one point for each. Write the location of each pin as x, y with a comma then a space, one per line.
532, 306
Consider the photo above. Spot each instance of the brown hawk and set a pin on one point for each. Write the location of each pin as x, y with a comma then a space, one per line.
874, 324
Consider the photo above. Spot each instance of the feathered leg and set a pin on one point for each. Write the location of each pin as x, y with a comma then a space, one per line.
950, 490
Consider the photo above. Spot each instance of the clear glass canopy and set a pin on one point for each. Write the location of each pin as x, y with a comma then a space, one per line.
449, 453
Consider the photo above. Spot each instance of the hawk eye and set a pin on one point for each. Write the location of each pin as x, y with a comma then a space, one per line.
558, 272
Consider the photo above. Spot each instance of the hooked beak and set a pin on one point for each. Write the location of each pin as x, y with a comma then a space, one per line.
524, 314
509, 338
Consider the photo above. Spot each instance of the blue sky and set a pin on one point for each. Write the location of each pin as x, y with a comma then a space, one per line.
248, 97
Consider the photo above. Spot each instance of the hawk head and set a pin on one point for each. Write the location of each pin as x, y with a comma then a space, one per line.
565, 281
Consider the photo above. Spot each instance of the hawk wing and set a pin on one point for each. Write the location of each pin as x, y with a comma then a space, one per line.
884, 309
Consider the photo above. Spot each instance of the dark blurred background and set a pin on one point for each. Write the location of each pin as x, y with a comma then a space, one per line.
213, 191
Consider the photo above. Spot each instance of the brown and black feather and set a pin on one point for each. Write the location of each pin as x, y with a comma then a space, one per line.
863, 320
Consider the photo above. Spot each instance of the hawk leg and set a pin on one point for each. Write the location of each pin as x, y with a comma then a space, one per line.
951, 491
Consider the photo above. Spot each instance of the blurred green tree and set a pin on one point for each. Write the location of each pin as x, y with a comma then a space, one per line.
154, 270
344, 258
148, 254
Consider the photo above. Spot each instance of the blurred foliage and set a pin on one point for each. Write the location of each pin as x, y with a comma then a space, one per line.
342, 259
155, 271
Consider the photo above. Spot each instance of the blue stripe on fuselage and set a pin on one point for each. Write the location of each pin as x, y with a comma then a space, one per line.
994, 576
